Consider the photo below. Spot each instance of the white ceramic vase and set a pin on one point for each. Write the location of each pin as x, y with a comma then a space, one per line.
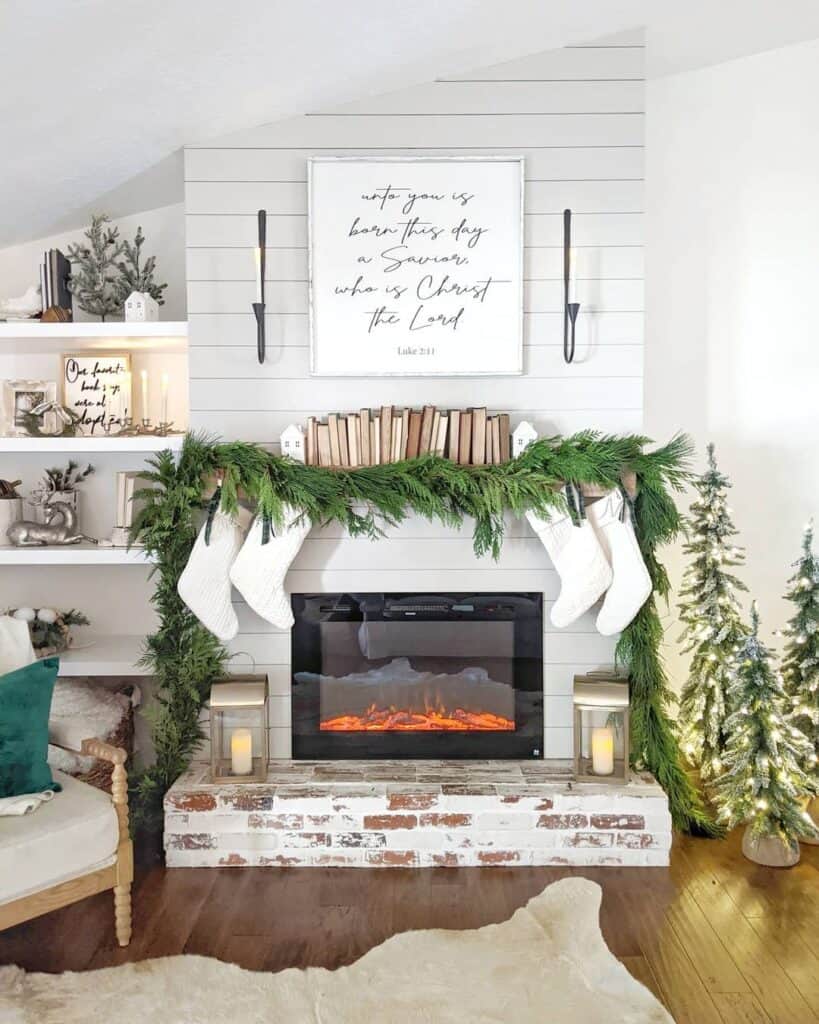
11, 510
769, 851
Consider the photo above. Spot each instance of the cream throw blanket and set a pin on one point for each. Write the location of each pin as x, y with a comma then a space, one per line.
548, 963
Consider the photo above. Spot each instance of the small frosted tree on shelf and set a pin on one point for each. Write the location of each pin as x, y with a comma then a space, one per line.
713, 621
800, 660
764, 784
136, 275
94, 273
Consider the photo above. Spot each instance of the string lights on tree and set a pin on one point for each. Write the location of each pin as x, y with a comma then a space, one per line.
763, 784
713, 621
800, 661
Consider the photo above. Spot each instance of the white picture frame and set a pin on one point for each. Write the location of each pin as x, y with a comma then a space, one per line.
453, 303
20, 397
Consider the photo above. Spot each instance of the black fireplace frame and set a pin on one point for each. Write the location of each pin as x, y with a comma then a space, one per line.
524, 608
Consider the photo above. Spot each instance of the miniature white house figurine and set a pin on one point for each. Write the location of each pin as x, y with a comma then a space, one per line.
140, 307
522, 437
292, 441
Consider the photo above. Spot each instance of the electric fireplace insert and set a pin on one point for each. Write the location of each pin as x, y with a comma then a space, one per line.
398, 675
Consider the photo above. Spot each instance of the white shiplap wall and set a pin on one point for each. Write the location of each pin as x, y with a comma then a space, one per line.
576, 115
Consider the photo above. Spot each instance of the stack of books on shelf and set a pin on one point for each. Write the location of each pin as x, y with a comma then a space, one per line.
55, 270
469, 437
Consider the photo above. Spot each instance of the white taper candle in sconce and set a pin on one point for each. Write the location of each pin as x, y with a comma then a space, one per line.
602, 743
241, 752
144, 377
257, 253
163, 390
573, 275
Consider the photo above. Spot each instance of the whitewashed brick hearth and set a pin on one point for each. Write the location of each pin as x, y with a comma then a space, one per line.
414, 814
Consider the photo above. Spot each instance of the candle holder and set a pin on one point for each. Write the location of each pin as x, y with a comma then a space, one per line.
601, 728
238, 729
258, 306
163, 429
570, 309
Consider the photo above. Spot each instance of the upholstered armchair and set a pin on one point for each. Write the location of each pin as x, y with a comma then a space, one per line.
73, 846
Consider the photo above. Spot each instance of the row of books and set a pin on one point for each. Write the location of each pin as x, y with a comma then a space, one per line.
368, 438
55, 270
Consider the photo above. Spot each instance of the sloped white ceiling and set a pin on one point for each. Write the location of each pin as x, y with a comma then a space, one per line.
97, 97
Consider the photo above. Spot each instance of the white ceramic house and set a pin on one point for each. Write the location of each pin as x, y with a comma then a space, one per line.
522, 436
293, 442
140, 308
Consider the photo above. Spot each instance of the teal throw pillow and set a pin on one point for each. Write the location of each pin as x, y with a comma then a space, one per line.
25, 703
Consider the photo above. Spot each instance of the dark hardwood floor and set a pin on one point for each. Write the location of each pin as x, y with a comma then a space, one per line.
717, 938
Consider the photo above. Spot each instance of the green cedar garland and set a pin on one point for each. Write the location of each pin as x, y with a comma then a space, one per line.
714, 627
185, 658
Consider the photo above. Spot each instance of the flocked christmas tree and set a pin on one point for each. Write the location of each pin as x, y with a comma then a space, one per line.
94, 272
764, 784
136, 276
800, 663
713, 621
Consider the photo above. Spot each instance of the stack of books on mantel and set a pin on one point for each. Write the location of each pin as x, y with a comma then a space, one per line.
370, 437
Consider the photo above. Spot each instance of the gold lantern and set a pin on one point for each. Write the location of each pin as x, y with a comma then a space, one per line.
601, 727
238, 729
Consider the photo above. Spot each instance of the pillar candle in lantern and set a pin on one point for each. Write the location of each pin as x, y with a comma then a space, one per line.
241, 752
602, 743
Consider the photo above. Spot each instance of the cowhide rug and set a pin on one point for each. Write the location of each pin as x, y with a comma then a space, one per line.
547, 963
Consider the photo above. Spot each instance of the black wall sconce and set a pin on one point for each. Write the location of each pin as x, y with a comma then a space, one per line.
570, 309
258, 305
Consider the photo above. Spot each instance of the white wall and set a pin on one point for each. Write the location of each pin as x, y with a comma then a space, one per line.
164, 230
576, 116
732, 236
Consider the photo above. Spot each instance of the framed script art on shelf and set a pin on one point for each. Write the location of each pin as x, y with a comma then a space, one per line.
97, 388
416, 266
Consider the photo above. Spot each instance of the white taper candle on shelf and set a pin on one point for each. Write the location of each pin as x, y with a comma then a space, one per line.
257, 252
602, 743
241, 752
163, 390
125, 395
144, 376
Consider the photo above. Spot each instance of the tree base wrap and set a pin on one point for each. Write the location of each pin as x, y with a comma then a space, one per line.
769, 851
812, 808
185, 658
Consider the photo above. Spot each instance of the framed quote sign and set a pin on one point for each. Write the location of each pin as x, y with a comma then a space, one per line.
97, 388
416, 266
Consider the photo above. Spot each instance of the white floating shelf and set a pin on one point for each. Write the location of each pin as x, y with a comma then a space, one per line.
146, 443
73, 554
109, 329
107, 656
21, 336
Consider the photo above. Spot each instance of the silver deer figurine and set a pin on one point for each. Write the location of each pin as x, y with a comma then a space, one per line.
27, 534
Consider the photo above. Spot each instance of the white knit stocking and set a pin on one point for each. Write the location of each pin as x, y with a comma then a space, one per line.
631, 583
259, 570
204, 585
579, 560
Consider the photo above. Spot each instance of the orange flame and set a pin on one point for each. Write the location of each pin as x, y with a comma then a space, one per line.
431, 720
